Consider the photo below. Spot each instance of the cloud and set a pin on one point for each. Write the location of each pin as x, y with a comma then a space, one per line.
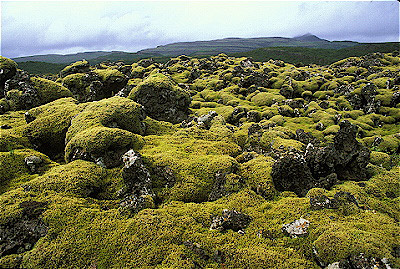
63, 27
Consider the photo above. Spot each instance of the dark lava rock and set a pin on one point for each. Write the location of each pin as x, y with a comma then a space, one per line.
33, 162
366, 99
360, 261
28, 97
138, 193
230, 219
238, 113
340, 198
305, 137
8, 68
162, 99
20, 234
196, 249
291, 173
345, 159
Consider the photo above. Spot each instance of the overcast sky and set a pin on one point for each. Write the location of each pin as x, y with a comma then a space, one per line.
30, 28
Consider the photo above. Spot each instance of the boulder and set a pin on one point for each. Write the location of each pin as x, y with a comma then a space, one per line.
8, 68
162, 99
138, 193
230, 220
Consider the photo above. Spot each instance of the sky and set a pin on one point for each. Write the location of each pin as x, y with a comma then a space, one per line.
62, 27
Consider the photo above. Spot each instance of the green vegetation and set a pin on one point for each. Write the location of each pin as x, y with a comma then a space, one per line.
82, 204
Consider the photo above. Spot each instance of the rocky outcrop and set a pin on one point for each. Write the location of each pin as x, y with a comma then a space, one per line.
138, 193
297, 228
345, 159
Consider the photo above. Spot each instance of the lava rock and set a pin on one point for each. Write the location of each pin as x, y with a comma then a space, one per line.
291, 173
296, 228
230, 219
360, 261
138, 193
205, 120
20, 235
33, 162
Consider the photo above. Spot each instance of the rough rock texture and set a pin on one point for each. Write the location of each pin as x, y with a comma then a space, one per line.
138, 193
360, 261
8, 68
162, 100
205, 120
296, 228
340, 199
33, 162
345, 159
230, 219
19, 235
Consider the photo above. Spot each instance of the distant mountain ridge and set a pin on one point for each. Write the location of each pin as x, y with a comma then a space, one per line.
211, 47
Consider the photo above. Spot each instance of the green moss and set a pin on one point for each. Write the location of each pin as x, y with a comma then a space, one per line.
79, 64
266, 99
47, 132
6, 63
112, 112
390, 144
49, 90
78, 178
14, 171
257, 175
100, 141
13, 100
381, 159
109, 73
333, 129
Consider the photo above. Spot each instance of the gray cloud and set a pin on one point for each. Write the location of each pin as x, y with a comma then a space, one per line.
30, 28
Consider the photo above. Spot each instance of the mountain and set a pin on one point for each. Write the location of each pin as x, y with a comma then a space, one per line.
235, 45
211, 47
67, 58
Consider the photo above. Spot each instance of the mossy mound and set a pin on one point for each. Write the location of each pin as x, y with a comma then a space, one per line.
102, 145
48, 130
115, 112
161, 98
14, 171
9, 68
49, 90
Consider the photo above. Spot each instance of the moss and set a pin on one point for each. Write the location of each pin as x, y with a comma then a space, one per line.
333, 129
6, 63
381, 159
14, 171
47, 132
78, 178
390, 144
257, 175
109, 73
101, 141
49, 90
76, 84
112, 112
266, 99
83, 65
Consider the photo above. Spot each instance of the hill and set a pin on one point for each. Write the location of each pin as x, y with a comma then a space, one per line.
320, 56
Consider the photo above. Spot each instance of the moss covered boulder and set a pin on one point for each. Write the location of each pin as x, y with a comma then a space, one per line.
48, 125
8, 69
114, 112
102, 145
162, 99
